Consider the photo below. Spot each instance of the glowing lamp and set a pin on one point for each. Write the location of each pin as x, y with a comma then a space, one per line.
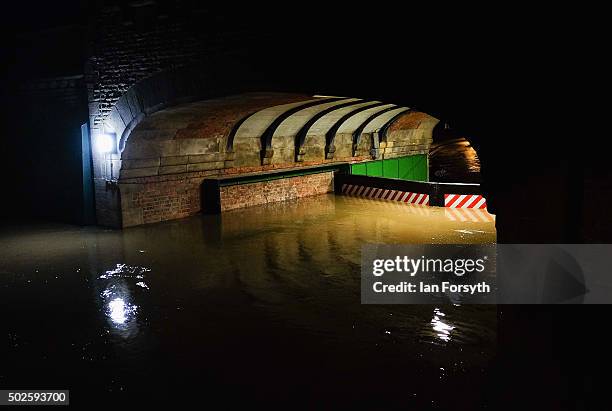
106, 143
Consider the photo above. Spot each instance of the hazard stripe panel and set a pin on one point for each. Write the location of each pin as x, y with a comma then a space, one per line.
462, 215
465, 201
384, 194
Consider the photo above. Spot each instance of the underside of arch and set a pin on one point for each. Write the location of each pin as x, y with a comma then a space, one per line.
256, 132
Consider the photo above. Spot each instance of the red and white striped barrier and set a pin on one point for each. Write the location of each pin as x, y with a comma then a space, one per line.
384, 194
463, 215
454, 201
464, 201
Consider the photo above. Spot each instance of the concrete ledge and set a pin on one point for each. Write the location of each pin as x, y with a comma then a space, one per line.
179, 168
206, 158
141, 163
205, 166
174, 160
138, 172
232, 179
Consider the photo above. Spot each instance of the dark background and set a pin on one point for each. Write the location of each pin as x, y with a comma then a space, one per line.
521, 83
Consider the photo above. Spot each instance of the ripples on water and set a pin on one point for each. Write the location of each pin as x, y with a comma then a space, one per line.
262, 294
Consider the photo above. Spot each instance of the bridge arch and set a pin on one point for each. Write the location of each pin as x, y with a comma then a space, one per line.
284, 136
302, 133
166, 149
334, 122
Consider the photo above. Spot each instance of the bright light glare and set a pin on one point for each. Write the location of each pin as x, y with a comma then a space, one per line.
119, 310
105, 143
442, 329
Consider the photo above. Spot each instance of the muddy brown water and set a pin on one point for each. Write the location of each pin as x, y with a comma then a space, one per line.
257, 306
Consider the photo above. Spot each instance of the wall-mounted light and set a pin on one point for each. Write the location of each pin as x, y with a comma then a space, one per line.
106, 143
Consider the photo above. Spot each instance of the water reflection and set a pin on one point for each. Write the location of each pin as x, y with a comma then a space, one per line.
442, 329
125, 271
119, 310
117, 297
267, 299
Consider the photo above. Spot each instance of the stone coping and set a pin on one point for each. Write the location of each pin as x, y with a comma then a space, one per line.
226, 180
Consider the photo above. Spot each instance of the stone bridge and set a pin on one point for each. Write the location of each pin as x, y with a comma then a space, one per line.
158, 160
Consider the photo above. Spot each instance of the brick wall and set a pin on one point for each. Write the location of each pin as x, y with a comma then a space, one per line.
148, 200
159, 201
130, 43
264, 192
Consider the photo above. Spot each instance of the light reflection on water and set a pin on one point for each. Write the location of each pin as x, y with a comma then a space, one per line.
442, 329
124, 270
119, 311
264, 284
117, 294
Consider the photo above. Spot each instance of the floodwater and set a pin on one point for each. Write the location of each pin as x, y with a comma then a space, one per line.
257, 306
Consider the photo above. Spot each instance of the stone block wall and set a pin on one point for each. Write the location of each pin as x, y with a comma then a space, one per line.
411, 134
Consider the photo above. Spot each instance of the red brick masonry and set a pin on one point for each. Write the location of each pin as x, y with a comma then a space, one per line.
161, 201
251, 194
153, 199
